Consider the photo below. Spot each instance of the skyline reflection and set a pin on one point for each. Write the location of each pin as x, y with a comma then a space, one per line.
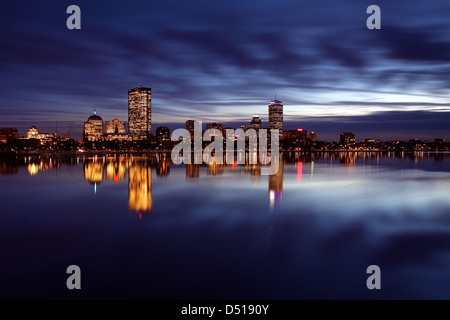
293, 228
115, 168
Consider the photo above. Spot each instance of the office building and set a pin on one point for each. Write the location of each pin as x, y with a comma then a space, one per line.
312, 136
140, 112
276, 115
163, 137
347, 139
7, 134
93, 128
115, 126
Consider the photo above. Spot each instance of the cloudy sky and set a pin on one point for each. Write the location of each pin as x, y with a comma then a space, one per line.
216, 60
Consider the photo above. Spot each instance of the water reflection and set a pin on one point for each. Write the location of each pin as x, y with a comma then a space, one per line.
315, 225
115, 167
276, 185
93, 170
140, 186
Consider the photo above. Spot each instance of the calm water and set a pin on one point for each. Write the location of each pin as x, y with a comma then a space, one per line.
140, 227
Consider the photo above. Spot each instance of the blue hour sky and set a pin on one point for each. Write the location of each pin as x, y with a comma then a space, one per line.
225, 60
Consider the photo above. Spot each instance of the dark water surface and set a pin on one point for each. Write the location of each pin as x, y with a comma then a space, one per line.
141, 227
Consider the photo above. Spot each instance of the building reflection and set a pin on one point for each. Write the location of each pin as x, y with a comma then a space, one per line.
192, 171
348, 158
276, 184
33, 169
8, 167
116, 168
93, 170
163, 166
214, 168
140, 186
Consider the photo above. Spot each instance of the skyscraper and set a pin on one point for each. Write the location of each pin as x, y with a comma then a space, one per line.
276, 115
140, 112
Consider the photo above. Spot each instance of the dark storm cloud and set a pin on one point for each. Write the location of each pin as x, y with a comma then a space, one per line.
385, 125
219, 58
415, 44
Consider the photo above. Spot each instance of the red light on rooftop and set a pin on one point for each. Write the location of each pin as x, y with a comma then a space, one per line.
116, 120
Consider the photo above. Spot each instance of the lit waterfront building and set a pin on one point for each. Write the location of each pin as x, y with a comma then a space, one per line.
276, 115
140, 112
347, 139
163, 137
312, 136
33, 133
93, 128
115, 126
115, 130
7, 134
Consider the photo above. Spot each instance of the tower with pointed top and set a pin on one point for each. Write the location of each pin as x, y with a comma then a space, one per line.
140, 112
276, 115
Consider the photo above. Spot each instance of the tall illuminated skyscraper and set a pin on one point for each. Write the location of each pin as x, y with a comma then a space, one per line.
140, 112
276, 115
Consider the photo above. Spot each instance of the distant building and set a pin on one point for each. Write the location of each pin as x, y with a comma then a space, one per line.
33, 133
190, 127
213, 125
115, 126
7, 134
439, 141
347, 139
93, 128
256, 122
217, 126
140, 112
297, 135
115, 130
163, 137
312, 136
276, 115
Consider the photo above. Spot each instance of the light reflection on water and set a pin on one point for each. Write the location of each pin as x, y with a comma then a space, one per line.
226, 231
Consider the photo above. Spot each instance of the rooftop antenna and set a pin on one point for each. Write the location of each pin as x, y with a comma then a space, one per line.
275, 96
95, 111
140, 84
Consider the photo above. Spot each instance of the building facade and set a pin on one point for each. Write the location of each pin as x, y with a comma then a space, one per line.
347, 139
33, 133
276, 115
115, 126
93, 128
312, 136
163, 137
140, 112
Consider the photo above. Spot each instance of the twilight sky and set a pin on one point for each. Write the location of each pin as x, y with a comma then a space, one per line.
216, 60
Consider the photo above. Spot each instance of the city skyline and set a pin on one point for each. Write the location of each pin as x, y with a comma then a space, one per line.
220, 62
